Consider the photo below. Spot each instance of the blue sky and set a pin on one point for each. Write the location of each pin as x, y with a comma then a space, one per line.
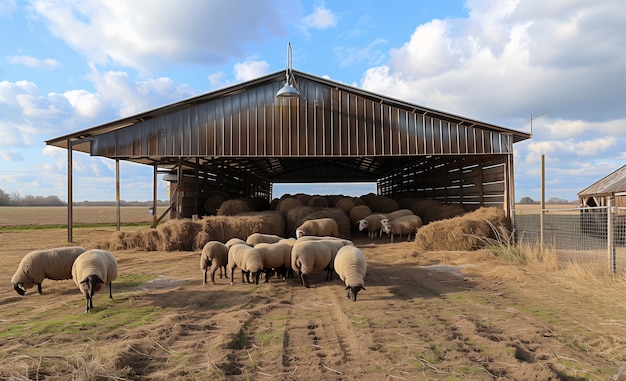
70, 65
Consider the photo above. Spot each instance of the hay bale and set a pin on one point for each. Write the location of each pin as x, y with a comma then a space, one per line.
213, 202
432, 210
286, 204
144, 239
389, 205
462, 233
317, 202
223, 228
346, 204
359, 212
234, 207
294, 218
303, 198
178, 235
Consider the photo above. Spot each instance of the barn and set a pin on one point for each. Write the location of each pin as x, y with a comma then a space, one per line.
243, 139
611, 188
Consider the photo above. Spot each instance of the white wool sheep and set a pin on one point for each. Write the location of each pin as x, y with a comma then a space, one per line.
405, 225
248, 259
91, 270
351, 267
234, 241
312, 255
289, 241
318, 227
55, 264
214, 256
399, 213
373, 223
276, 257
256, 238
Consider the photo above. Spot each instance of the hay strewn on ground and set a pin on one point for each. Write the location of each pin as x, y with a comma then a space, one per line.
463, 233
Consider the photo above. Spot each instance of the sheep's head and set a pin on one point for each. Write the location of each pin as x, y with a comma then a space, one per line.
19, 288
353, 291
91, 284
362, 225
387, 228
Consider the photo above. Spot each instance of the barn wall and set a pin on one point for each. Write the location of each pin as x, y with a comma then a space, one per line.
468, 181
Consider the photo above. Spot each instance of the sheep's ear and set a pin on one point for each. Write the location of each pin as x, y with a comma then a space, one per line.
347, 287
363, 288
85, 281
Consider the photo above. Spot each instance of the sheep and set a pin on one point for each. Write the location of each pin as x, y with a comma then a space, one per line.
91, 270
399, 213
276, 257
311, 255
403, 225
319, 227
234, 241
247, 259
351, 267
55, 264
214, 256
373, 223
255, 238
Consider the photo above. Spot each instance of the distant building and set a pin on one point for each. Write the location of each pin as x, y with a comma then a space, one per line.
612, 187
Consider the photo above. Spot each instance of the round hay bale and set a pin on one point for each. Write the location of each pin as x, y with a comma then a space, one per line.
346, 204
234, 207
274, 203
359, 212
462, 233
333, 199
285, 205
212, 203
388, 205
260, 204
317, 202
294, 218
303, 198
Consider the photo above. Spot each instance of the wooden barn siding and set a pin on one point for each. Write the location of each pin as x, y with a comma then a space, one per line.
471, 181
324, 122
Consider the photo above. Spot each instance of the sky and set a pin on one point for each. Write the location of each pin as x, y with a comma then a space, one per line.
556, 69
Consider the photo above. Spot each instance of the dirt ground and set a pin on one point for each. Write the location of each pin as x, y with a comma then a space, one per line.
423, 316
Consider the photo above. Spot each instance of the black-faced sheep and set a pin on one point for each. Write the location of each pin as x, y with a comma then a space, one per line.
351, 267
318, 227
405, 225
214, 256
311, 255
373, 224
256, 238
247, 259
91, 270
55, 264
276, 257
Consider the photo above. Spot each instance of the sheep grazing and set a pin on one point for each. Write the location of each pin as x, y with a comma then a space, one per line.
405, 225
373, 223
234, 241
248, 259
276, 257
256, 238
91, 270
312, 255
214, 256
318, 227
55, 264
351, 267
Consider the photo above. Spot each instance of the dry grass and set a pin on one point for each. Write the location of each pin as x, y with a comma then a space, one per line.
57, 215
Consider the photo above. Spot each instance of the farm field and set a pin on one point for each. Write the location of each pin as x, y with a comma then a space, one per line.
57, 215
423, 316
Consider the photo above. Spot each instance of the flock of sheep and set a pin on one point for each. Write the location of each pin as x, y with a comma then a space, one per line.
317, 246
90, 270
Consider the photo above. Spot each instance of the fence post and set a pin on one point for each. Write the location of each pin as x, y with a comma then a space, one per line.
609, 237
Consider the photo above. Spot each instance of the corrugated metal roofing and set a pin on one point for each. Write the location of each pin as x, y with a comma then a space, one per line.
609, 185
333, 132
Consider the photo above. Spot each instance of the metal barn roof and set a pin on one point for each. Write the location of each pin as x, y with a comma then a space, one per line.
331, 133
607, 186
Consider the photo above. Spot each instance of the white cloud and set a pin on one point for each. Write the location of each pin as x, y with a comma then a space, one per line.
321, 18
86, 104
11, 155
248, 70
47, 63
147, 35
371, 54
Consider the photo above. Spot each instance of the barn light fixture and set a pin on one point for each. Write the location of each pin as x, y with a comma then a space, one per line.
290, 90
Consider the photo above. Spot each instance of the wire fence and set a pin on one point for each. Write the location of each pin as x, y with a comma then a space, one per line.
576, 234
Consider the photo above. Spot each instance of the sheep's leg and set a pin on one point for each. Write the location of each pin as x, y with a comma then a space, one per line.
110, 290
303, 280
88, 304
232, 274
39, 288
212, 275
204, 277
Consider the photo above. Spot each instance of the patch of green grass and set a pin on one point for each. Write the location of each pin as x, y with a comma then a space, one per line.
128, 282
